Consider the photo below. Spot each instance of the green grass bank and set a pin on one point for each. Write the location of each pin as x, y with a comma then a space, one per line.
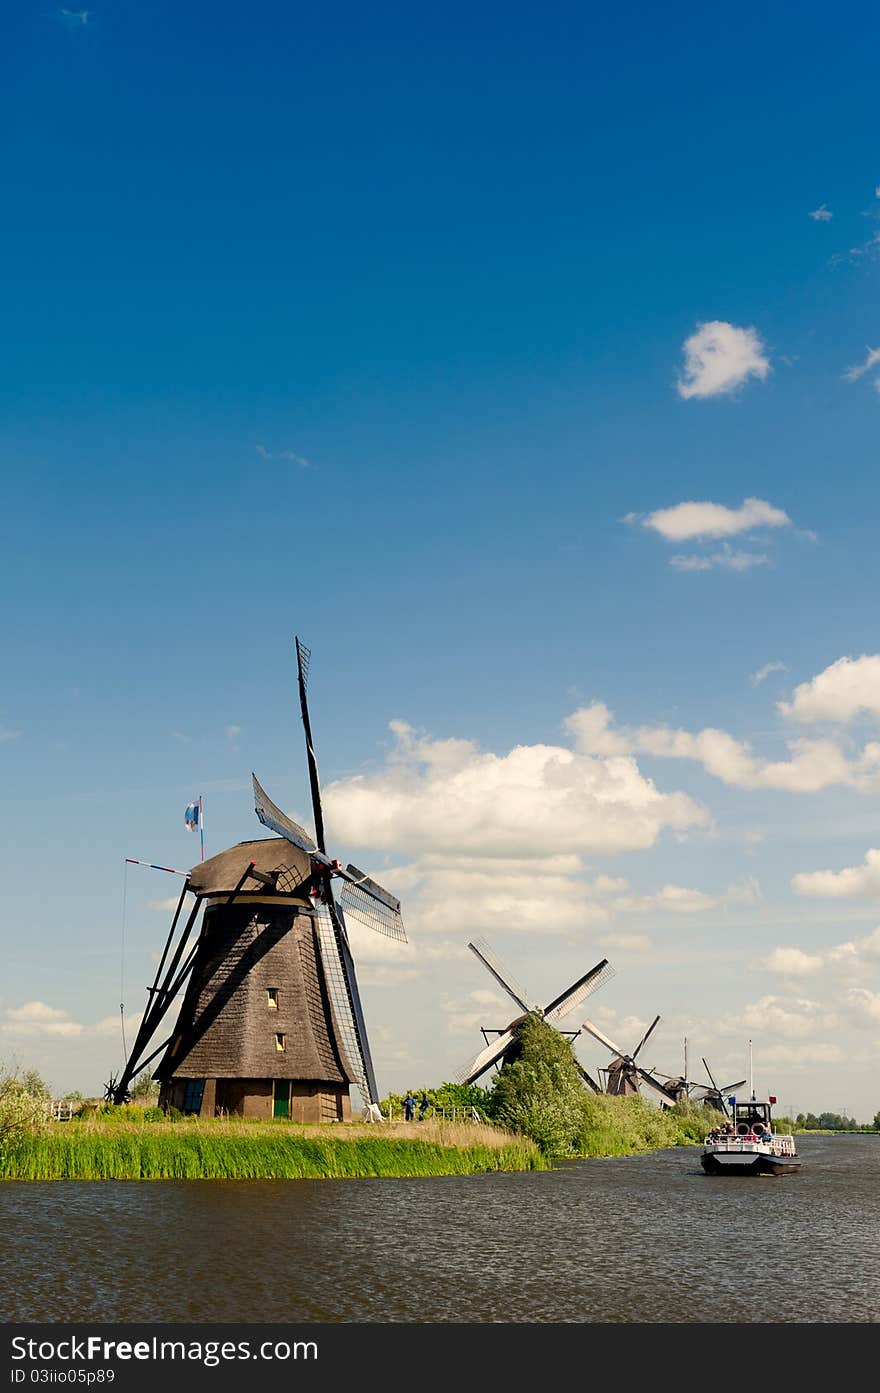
628, 1126
121, 1150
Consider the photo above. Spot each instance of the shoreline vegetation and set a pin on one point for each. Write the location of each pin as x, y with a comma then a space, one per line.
117, 1148
120, 1147
536, 1114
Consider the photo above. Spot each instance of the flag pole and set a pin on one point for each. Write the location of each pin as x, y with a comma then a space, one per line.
202, 826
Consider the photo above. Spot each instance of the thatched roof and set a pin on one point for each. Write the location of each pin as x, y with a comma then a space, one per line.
221, 873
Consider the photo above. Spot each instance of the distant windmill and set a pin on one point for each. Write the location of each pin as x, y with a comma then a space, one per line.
623, 1076
504, 1047
716, 1097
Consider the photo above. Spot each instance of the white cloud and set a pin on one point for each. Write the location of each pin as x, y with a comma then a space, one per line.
621, 942
864, 1003
36, 1018
479, 1009
821, 214
288, 455
690, 521
675, 899
386, 975
792, 1018
803, 1055
763, 672
232, 732
6, 734
625, 1031
853, 882
438, 796
851, 958
609, 885
840, 692
812, 765
792, 962
500, 840
727, 559
501, 895
164, 906
872, 360
719, 357
35, 1011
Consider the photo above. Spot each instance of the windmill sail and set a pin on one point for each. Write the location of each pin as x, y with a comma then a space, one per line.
644, 1040
345, 1000
492, 1053
372, 905
665, 1095
579, 992
502, 975
604, 1039
272, 817
303, 657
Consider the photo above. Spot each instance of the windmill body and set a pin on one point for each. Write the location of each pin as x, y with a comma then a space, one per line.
256, 1035
270, 1023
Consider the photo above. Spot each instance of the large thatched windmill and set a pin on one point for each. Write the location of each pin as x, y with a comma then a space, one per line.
271, 1022
502, 1045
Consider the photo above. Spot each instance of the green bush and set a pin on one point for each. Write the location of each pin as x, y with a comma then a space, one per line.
24, 1107
447, 1098
541, 1095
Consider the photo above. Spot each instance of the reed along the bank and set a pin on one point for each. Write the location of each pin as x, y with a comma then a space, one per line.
110, 1149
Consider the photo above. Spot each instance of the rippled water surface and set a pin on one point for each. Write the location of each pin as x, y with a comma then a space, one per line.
646, 1238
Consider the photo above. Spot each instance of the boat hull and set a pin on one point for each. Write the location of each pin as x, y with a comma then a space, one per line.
758, 1163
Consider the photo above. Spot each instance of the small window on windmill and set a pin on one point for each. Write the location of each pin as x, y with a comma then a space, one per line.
281, 1043
272, 998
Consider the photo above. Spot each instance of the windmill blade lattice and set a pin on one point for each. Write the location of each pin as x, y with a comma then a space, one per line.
363, 898
340, 1000
491, 961
272, 817
492, 1053
663, 1094
578, 993
603, 1039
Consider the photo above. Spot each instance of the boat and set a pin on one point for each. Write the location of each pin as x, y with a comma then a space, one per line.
747, 1144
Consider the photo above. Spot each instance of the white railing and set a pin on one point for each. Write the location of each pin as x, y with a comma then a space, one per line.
781, 1145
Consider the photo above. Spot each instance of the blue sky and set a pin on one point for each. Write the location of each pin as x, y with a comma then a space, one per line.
373, 328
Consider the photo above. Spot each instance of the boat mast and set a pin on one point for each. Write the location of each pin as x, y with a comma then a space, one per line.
751, 1079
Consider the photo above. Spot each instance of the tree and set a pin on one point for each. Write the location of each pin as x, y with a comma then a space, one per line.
23, 1107
144, 1089
877, 1122
35, 1085
541, 1095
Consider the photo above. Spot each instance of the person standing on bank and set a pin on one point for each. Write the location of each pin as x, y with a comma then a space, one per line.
409, 1107
423, 1106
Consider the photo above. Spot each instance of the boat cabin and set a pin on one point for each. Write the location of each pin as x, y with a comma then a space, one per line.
752, 1117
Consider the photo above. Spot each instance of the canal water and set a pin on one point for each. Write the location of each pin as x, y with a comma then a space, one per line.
645, 1238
